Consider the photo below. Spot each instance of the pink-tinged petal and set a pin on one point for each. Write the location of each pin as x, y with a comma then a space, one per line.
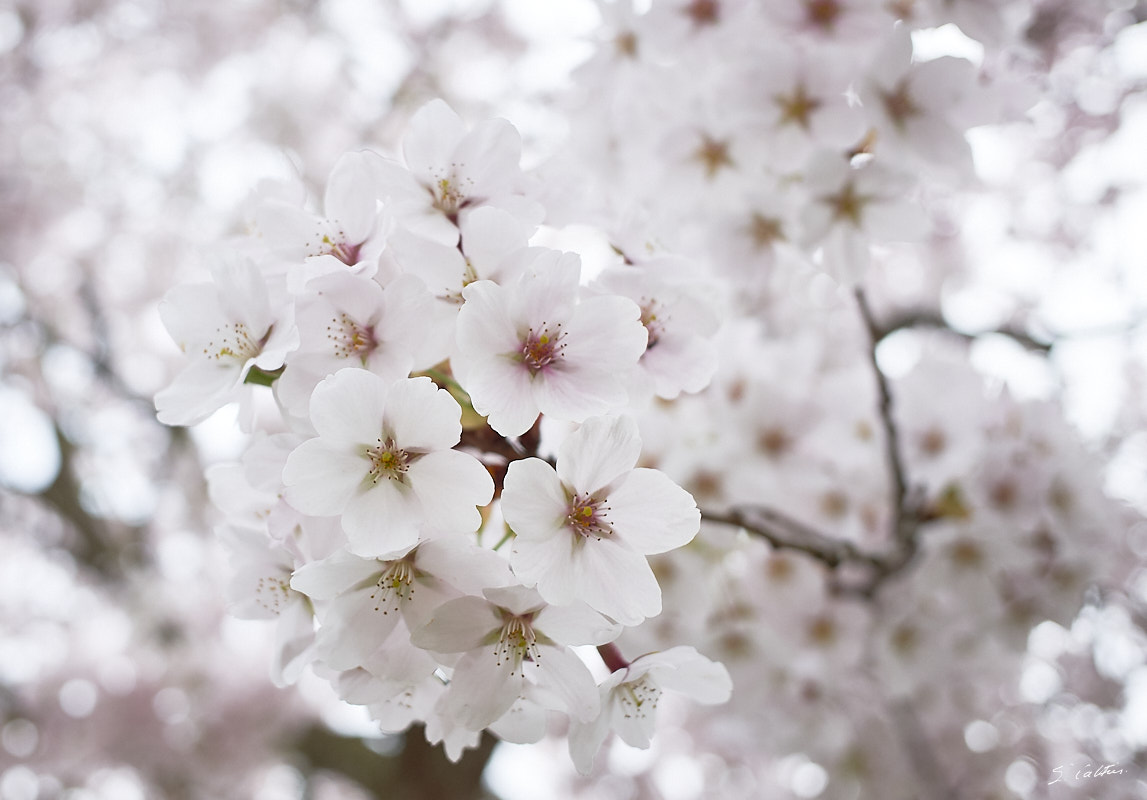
585, 739
347, 407
501, 390
651, 513
422, 417
680, 363
350, 202
191, 313
243, 295
489, 156
575, 624
563, 673
534, 503
321, 478
383, 520
440, 266
490, 234
548, 565
682, 669
598, 452
548, 292
617, 582
322, 580
606, 334
458, 626
483, 688
450, 486
485, 327
575, 394
199, 391
434, 132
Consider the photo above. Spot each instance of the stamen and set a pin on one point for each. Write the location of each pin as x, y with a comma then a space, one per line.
395, 585
587, 517
234, 342
517, 643
388, 461
350, 338
543, 348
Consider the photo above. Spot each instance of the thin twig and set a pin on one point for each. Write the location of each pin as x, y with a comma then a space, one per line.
936, 321
785, 533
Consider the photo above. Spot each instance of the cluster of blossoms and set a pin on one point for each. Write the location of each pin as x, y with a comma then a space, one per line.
399, 516
448, 499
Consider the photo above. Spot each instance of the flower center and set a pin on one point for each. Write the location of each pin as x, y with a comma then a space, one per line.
542, 348
639, 699
272, 592
587, 517
517, 643
234, 342
388, 461
351, 338
395, 585
653, 318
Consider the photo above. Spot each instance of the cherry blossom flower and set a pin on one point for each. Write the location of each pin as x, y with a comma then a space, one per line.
679, 320
350, 320
584, 529
509, 637
630, 696
382, 460
349, 234
533, 348
227, 328
450, 171
850, 207
367, 596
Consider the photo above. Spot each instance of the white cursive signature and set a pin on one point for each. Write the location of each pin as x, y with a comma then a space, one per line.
1086, 772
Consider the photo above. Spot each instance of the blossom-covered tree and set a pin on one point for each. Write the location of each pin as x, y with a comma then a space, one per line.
728, 401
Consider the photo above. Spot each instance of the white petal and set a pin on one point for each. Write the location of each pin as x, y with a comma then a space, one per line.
348, 406
483, 689
548, 564
563, 673
690, 673
353, 628
321, 478
575, 624
382, 520
597, 453
651, 513
450, 485
534, 503
617, 582
467, 568
585, 739
485, 326
433, 133
322, 580
489, 156
421, 416
458, 626
524, 723
351, 197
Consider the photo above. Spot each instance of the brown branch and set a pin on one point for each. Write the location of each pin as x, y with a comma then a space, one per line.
935, 320
905, 517
785, 533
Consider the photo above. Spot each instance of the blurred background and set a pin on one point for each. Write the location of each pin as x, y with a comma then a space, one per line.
131, 131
